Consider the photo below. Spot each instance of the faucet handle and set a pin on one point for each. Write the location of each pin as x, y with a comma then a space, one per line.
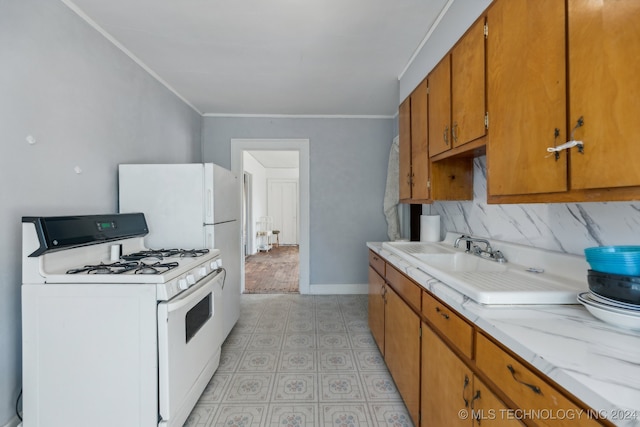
498, 256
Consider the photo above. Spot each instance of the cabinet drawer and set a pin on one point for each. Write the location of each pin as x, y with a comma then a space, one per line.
404, 286
377, 262
529, 391
449, 323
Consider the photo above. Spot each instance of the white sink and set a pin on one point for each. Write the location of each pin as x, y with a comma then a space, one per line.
531, 275
458, 262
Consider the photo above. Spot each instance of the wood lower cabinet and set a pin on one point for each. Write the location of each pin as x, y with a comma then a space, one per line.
448, 372
532, 394
376, 307
451, 393
402, 350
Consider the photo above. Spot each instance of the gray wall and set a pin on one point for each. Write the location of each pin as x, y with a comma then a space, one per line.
348, 169
87, 105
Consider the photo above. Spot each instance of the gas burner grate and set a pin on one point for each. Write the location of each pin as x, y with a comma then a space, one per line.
155, 268
165, 253
193, 252
137, 267
102, 268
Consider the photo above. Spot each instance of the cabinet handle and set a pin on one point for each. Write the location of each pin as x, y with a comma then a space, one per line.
535, 388
454, 132
579, 124
442, 313
445, 135
464, 387
476, 416
408, 179
412, 181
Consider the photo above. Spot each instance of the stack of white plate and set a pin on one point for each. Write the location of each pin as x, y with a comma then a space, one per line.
617, 313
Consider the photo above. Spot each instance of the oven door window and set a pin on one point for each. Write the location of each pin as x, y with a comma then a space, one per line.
197, 317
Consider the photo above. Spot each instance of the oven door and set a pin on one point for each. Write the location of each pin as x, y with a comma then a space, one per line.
189, 332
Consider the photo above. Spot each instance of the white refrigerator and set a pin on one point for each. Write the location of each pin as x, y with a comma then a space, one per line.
190, 206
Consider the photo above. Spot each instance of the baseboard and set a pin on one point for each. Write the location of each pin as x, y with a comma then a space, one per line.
13, 422
338, 289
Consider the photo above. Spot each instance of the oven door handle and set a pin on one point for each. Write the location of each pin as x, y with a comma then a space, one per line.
195, 293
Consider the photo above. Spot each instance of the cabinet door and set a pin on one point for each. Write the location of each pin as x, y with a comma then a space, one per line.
526, 96
404, 130
526, 388
376, 307
468, 87
440, 107
488, 410
402, 350
604, 41
447, 384
419, 149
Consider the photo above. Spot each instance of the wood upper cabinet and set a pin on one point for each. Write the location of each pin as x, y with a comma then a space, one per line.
440, 107
468, 107
419, 149
402, 350
457, 94
414, 156
526, 96
604, 42
534, 78
404, 130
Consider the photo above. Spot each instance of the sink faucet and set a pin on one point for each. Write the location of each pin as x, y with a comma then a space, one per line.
473, 248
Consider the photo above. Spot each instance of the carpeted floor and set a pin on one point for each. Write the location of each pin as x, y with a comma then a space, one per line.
275, 271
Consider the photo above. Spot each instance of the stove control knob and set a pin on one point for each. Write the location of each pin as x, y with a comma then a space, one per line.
191, 279
182, 284
202, 271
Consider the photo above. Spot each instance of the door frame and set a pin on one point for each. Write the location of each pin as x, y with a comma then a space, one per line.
238, 146
247, 216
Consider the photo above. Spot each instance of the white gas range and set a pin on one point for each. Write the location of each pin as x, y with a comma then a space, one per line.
111, 339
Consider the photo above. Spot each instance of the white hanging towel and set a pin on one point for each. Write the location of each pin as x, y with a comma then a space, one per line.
392, 192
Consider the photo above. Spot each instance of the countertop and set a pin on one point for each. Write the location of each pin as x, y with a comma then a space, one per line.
596, 362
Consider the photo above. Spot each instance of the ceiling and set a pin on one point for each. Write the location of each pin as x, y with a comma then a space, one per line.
275, 57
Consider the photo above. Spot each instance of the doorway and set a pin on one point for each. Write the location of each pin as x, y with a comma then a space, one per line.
296, 228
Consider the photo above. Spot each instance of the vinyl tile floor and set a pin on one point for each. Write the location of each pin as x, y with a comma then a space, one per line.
300, 360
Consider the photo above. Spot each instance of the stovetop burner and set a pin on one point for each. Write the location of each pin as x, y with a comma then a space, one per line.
102, 268
137, 267
164, 253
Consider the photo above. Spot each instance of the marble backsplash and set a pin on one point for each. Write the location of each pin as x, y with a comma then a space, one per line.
564, 227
